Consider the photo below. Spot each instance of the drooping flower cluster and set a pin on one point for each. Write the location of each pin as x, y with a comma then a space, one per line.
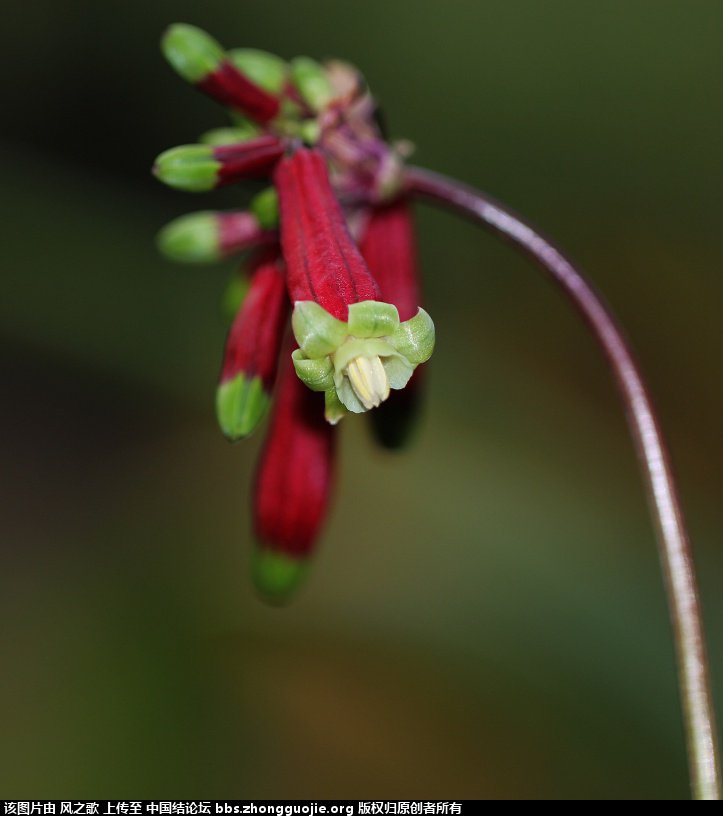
332, 245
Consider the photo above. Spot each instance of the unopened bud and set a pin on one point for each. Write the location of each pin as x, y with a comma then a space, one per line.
191, 51
266, 70
205, 237
312, 82
201, 167
241, 132
188, 167
199, 59
265, 206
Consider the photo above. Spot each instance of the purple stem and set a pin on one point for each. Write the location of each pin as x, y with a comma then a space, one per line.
674, 546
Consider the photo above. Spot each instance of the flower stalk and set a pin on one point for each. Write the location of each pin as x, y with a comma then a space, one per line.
673, 544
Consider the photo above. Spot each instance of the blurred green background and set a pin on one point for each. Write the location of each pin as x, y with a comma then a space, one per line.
486, 616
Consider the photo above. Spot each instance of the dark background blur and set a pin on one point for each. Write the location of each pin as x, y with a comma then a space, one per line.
506, 633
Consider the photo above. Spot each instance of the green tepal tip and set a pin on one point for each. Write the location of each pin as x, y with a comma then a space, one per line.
188, 167
241, 404
265, 206
312, 81
243, 131
192, 238
191, 51
265, 70
276, 575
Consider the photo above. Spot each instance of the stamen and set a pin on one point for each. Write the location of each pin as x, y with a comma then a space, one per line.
369, 380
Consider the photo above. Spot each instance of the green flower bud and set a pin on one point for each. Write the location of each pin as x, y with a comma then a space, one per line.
313, 84
265, 206
277, 575
191, 238
241, 403
191, 51
188, 167
310, 131
207, 236
241, 132
266, 70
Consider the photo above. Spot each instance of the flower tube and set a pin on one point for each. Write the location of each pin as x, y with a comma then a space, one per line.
200, 60
389, 248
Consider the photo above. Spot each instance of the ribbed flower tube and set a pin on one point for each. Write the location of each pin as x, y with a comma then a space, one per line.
293, 487
230, 87
324, 264
352, 345
389, 248
252, 350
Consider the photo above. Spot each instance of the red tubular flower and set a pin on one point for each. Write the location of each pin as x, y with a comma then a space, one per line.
202, 167
230, 87
252, 351
389, 248
206, 236
199, 59
323, 262
351, 346
252, 159
238, 231
293, 487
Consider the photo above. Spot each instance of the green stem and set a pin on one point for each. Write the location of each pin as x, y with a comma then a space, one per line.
673, 544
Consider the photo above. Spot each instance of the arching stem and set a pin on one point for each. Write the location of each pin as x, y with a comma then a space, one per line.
674, 546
